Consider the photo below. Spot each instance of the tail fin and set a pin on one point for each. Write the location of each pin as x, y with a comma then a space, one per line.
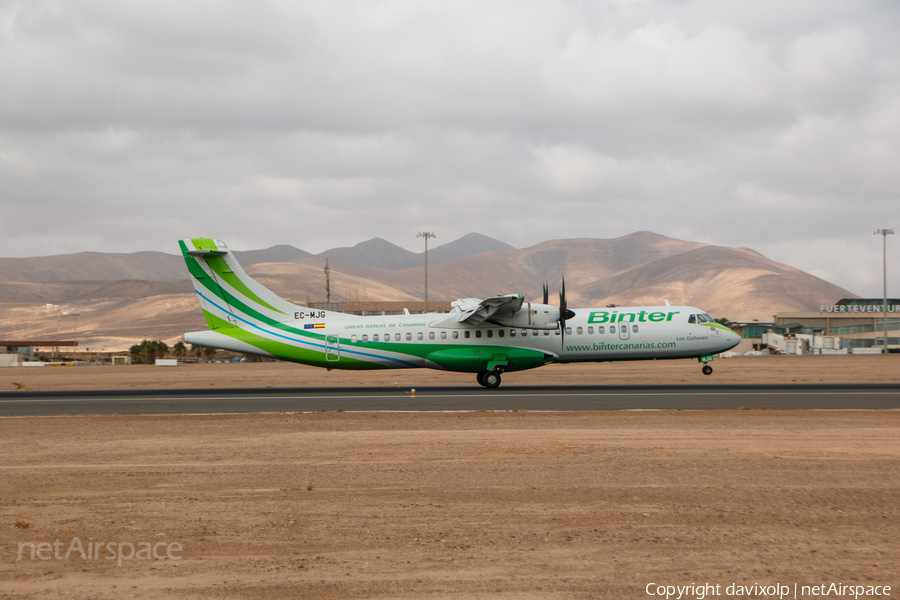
228, 296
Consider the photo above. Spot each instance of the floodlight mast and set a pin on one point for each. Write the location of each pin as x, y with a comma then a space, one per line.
884, 233
426, 235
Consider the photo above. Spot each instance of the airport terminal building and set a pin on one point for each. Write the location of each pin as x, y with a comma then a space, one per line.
851, 323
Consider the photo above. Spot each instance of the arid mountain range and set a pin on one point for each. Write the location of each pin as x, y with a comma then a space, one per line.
112, 300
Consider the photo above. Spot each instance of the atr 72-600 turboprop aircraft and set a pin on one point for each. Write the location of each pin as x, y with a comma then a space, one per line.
487, 337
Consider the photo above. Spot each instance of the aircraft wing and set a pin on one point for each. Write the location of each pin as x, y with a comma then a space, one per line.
475, 311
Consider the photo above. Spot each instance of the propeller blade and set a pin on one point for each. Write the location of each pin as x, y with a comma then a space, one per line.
562, 291
546, 293
562, 311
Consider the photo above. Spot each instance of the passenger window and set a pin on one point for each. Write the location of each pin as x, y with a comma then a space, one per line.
490, 333
634, 328
365, 337
546, 332
478, 333
374, 337
524, 332
692, 319
500, 333
624, 328
396, 337
419, 336
455, 334
512, 333
408, 337
556, 332
590, 330
352, 339
534, 332
467, 333
431, 335
568, 331
579, 331
601, 329
444, 335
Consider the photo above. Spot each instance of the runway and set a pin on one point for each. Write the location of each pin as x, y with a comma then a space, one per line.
562, 398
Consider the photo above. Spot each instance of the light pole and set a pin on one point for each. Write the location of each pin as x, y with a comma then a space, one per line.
58, 312
426, 235
75, 335
884, 233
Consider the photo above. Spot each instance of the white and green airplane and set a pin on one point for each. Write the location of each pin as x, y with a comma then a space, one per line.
488, 337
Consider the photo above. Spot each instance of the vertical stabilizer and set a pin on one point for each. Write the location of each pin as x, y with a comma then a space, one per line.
229, 297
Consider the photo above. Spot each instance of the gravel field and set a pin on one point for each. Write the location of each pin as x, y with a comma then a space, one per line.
450, 505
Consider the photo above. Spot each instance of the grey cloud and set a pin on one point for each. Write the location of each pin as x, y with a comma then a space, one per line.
773, 126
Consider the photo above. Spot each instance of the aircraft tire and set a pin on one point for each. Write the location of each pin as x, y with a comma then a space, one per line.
707, 370
480, 378
491, 379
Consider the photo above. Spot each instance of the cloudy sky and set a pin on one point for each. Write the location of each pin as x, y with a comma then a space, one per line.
769, 124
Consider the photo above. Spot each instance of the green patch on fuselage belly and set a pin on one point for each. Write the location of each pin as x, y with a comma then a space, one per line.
475, 359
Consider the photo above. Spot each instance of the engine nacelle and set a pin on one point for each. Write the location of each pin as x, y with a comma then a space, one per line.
532, 316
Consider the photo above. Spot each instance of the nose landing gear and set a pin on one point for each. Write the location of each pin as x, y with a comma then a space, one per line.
707, 368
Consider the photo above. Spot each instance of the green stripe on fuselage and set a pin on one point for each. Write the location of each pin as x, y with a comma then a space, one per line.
717, 326
290, 352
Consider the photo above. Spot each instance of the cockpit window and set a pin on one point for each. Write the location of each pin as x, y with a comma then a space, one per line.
707, 318
692, 319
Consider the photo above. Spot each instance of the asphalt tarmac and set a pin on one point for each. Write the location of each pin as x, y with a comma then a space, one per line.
559, 398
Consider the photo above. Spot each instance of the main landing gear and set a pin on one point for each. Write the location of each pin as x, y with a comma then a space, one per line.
489, 379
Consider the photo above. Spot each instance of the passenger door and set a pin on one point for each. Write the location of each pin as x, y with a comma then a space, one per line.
332, 348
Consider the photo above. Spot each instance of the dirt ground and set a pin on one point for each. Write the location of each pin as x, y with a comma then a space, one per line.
451, 505
875, 368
